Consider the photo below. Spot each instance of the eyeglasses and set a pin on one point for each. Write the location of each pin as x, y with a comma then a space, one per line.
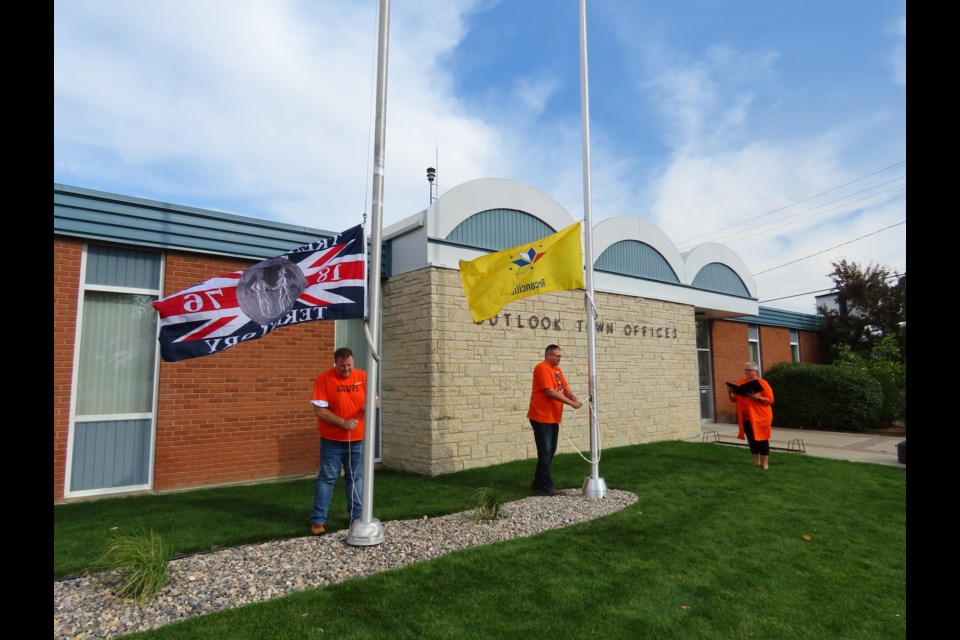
754, 370
556, 355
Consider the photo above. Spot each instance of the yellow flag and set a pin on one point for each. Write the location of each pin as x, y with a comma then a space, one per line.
554, 263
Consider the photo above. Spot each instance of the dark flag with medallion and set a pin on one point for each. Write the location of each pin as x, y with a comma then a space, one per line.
323, 280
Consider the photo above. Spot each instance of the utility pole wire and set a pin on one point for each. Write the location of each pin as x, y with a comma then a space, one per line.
837, 208
807, 293
820, 206
897, 224
796, 203
796, 295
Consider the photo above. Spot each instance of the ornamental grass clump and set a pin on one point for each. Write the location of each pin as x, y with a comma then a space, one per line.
489, 503
138, 564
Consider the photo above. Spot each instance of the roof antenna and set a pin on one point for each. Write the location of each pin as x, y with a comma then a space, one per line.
432, 171
431, 178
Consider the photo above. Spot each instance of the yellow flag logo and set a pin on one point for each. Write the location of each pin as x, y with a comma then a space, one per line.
554, 263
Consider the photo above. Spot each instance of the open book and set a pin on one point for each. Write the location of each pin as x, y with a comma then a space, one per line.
745, 389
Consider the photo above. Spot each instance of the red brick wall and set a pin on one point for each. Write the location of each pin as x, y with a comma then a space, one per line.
729, 346
66, 283
774, 347
730, 349
236, 416
811, 348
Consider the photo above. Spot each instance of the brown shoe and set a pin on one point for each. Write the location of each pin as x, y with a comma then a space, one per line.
317, 529
552, 492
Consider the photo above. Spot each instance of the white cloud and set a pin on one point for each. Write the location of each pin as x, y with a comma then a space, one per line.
898, 59
268, 111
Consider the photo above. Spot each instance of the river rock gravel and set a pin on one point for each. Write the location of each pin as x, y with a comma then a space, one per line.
84, 607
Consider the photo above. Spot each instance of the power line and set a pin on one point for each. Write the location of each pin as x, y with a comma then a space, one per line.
831, 248
837, 208
796, 295
795, 203
807, 293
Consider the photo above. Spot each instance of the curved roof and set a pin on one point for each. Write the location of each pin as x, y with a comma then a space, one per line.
635, 247
716, 267
466, 200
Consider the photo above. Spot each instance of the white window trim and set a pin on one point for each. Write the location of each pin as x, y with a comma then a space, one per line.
72, 415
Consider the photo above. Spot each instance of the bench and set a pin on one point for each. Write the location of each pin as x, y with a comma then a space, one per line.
794, 446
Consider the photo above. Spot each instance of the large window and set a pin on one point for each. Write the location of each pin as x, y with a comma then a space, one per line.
754, 344
118, 346
111, 435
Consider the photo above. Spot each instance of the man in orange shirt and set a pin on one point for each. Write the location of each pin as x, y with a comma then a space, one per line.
339, 396
549, 394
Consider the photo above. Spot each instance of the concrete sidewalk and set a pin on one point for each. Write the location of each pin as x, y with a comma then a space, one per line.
823, 444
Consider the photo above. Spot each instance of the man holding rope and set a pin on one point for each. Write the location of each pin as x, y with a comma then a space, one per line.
550, 393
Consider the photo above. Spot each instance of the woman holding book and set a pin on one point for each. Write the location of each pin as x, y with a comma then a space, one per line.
754, 413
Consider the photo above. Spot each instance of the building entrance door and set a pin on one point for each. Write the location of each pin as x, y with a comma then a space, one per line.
705, 370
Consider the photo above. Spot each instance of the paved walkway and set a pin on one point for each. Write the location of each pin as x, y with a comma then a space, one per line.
824, 444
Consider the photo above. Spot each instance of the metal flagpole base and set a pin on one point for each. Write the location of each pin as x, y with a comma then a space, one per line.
594, 488
365, 534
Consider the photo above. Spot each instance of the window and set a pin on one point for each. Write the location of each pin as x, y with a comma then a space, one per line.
795, 345
111, 434
705, 370
754, 345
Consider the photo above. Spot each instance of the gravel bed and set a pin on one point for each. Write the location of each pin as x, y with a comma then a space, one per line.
84, 607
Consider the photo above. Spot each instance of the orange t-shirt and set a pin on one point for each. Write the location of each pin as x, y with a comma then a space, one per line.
543, 408
759, 414
345, 397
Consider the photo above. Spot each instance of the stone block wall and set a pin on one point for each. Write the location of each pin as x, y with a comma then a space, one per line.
455, 393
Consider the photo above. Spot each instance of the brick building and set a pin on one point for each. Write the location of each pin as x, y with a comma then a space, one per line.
124, 421
670, 328
768, 338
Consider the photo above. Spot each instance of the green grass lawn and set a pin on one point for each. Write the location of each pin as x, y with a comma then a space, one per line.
714, 548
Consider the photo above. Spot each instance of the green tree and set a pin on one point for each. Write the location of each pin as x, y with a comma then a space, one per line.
885, 364
871, 304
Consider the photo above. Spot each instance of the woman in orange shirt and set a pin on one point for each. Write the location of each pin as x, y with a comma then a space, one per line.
755, 415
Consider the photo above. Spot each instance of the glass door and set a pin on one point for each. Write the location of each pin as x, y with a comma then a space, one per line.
705, 370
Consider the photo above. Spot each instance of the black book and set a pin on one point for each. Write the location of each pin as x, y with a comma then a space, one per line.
745, 389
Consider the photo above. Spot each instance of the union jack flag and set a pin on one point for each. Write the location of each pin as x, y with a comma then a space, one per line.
323, 280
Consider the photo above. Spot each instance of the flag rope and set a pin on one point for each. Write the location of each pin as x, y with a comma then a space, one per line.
373, 348
590, 304
580, 453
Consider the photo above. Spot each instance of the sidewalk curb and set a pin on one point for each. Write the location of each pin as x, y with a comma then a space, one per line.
855, 447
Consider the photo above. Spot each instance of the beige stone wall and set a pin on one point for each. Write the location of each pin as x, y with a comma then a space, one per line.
455, 393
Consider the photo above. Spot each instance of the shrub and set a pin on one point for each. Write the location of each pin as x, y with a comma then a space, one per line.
138, 563
825, 397
886, 365
489, 503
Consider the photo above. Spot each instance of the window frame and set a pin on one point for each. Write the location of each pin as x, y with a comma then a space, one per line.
76, 419
753, 346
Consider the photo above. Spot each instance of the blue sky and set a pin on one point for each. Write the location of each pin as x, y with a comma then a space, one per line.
775, 128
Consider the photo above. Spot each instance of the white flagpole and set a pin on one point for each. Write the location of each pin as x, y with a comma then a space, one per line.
368, 531
594, 486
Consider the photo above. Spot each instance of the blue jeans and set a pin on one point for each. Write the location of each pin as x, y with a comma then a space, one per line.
546, 436
336, 455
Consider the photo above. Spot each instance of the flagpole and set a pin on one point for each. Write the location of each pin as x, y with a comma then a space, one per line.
368, 531
594, 486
